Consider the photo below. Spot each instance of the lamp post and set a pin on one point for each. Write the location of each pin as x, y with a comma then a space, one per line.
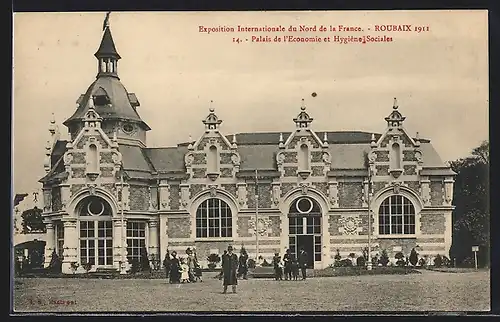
256, 217
122, 219
369, 263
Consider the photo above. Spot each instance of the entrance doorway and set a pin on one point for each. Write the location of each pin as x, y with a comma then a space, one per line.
307, 243
304, 228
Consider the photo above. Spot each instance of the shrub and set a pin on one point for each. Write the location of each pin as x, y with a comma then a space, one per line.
413, 257
364, 253
399, 255
337, 256
55, 265
421, 262
352, 255
360, 261
468, 262
251, 263
74, 266
384, 258
346, 262
134, 266
438, 261
87, 267
213, 258
266, 264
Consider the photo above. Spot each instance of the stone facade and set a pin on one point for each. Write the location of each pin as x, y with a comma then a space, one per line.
202, 193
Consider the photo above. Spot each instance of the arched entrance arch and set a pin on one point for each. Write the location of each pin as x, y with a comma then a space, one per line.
305, 225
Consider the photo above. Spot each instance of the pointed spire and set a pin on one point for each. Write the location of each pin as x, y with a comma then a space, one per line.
395, 104
395, 119
373, 143
303, 106
107, 55
417, 139
303, 119
325, 137
91, 102
234, 138
281, 137
211, 122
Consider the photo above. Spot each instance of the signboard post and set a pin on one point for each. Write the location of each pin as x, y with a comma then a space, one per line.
475, 249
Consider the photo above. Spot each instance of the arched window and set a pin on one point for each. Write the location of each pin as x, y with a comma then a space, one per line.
212, 160
396, 215
304, 157
396, 156
92, 159
96, 232
213, 219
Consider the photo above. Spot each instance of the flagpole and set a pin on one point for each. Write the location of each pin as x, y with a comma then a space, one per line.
369, 263
122, 268
256, 217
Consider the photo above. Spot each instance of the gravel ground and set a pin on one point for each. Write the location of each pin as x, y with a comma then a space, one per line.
429, 291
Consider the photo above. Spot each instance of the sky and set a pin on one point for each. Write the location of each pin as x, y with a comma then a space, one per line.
440, 76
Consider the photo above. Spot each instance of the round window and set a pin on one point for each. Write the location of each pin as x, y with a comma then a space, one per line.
95, 208
304, 205
127, 128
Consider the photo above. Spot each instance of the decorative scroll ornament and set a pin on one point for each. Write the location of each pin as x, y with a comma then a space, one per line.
372, 156
213, 191
349, 225
280, 158
418, 156
262, 226
304, 188
326, 157
92, 188
396, 188
188, 159
235, 159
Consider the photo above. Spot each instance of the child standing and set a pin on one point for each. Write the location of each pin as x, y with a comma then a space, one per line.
184, 270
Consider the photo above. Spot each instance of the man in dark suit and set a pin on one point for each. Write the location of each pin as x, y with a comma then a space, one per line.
303, 262
229, 269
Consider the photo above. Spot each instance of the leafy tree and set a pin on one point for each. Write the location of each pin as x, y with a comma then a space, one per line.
33, 221
471, 217
384, 258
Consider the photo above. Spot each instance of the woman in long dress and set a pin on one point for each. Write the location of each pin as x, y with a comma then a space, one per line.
229, 269
175, 275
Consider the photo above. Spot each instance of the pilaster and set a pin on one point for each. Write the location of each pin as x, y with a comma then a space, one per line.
164, 196
70, 246
120, 243
242, 194
333, 194
184, 195
153, 238
49, 243
426, 191
65, 195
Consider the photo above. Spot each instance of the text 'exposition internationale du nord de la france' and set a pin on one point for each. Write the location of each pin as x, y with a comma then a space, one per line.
336, 34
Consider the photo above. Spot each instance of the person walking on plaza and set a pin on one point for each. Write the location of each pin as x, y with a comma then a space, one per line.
288, 259
229, 268
166, 263
191, 264
175, 266
243, 264
303, 262
278, 267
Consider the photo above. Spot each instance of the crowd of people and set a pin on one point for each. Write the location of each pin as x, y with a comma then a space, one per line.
289, 266
188, 270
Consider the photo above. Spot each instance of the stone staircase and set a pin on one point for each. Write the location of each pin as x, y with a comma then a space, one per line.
105, 273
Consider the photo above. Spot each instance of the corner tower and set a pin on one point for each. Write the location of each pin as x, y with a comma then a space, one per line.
112, 101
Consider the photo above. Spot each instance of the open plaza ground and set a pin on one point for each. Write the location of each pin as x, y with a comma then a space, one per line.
428, 291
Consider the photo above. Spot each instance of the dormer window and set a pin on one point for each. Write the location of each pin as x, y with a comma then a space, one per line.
101, 100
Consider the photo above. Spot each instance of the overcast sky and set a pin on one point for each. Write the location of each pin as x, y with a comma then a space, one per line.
440, 77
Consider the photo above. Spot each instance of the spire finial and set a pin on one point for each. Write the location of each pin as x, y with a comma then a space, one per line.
417, 136
395, 104
234, 138
210, 107
325, 137
303, 106
91, 102
106, 21
281, 137
190, 138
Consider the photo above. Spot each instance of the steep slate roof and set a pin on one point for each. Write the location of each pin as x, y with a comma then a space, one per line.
120, 107
107, 47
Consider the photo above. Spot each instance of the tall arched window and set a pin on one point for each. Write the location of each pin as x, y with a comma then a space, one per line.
396, 156
96, 232
396, 215
212, 160
304, 157
92, 159
214, 219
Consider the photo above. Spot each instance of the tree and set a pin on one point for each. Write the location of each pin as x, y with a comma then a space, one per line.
413, 257
471, 217
33, 221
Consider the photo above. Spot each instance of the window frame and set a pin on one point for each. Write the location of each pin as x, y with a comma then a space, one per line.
404, 212
213, 221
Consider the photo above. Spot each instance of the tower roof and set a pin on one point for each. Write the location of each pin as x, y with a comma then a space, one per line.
119, 104
107, 47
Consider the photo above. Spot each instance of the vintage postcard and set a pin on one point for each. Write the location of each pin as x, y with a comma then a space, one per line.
279, 161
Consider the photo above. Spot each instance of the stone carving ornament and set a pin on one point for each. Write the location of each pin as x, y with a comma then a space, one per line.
349, 225
235, 159
261, 228
188, 159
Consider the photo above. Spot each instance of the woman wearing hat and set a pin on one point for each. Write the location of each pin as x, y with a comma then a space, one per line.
229, 269
175, 275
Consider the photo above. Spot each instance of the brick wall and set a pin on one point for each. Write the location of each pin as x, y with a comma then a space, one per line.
275, 226
322, 186
78, 157
199, 172
382, 170
154, 197
199, 158
410, 170
175, 196
286, 187
317, 171
290, 157
225, 158
409, 156
226, 172
139, 198
406, 141
364, 224
316, 156
414, 185
334, 225
78, 172
203, 248
265, 197
109, 187
106, 157
56, 199
194, 189
382, 156
75, 188
242, 226
290, 171
206, 141
82, 142
377, 186
231, 188
102, 142
436, 193
179, 227
432, 223
406, 245
107, 172
350, 194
